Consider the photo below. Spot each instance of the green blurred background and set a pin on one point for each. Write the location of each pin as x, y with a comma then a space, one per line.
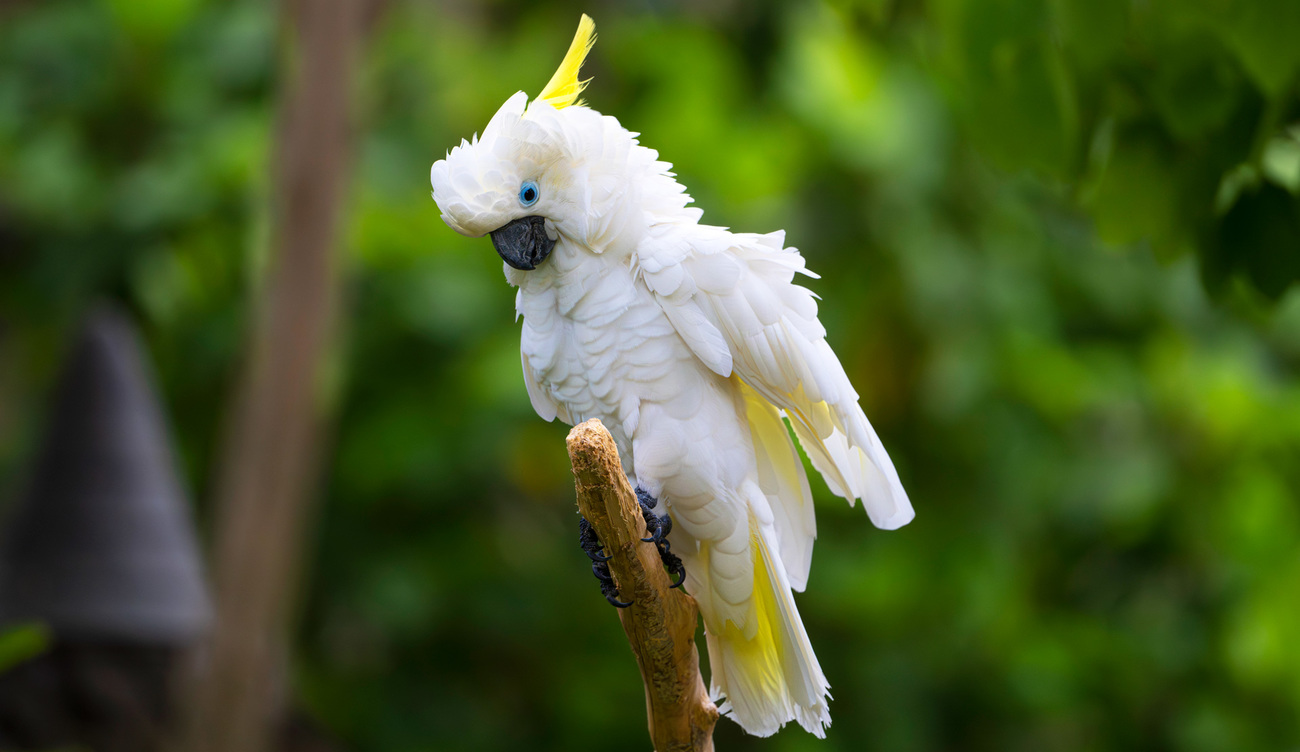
1055, 239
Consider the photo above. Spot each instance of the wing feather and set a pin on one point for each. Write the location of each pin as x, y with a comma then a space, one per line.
733, 300
543, 403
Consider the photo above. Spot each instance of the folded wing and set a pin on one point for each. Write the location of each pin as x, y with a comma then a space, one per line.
733, 300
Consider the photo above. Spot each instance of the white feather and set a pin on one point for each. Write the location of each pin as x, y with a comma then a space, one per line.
794, 371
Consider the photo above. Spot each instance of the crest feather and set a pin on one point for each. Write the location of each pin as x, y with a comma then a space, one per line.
564, 87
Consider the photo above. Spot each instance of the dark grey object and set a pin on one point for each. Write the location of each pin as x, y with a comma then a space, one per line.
523, 243
102, 546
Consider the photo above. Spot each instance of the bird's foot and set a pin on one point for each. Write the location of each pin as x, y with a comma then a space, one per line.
594, 549
659, 528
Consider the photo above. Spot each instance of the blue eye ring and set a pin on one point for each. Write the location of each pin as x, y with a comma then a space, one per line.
528, 193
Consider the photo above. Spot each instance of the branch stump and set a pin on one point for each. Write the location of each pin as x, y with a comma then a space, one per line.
660, 624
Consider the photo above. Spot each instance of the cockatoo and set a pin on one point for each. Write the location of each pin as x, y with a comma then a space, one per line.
691, 344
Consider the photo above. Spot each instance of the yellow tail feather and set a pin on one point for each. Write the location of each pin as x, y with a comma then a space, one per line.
766, 669
564, 87
760, 654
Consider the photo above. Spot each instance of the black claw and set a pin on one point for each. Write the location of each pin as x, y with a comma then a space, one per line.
644, 498
674, 565
592, 546
659, 528
665, 525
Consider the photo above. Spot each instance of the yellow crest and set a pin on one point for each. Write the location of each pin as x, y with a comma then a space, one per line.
564, 87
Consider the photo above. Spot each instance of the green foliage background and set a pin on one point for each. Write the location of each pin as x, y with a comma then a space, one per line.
1056, 239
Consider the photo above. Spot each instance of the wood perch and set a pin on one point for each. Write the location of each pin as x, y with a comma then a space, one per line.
660, 623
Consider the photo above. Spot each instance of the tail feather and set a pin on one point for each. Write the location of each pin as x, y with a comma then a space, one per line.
773, 677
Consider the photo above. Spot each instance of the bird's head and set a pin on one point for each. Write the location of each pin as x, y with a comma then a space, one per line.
525, 180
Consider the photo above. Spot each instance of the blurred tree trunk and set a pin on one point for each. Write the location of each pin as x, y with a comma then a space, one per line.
264, 480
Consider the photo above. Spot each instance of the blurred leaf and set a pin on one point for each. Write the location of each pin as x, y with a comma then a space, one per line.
1195, 89
1263, 35
1015, 90
1133, 198
22, 643
1259, 238
152, 20
1281, 161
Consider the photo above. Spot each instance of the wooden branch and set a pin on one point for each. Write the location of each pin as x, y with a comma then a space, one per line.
660, 623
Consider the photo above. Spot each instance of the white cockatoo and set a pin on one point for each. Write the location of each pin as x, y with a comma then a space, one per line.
690, 343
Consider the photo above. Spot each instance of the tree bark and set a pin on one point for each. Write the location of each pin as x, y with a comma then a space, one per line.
265, 477
661, 622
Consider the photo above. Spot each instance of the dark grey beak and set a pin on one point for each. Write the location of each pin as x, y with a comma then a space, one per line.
523, 243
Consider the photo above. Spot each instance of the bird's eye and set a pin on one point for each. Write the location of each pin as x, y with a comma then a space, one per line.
528, 193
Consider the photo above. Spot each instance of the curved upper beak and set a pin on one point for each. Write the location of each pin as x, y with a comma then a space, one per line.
523, 243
